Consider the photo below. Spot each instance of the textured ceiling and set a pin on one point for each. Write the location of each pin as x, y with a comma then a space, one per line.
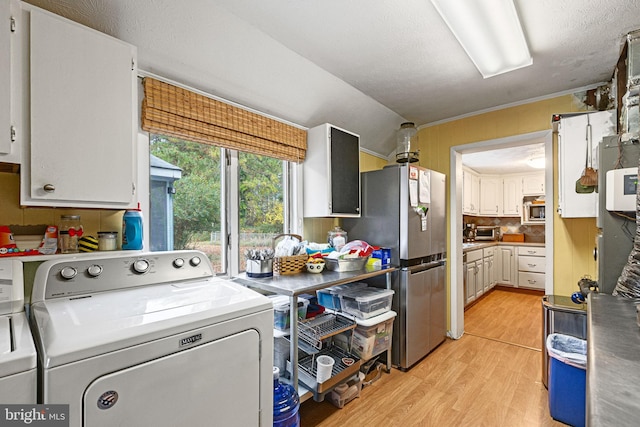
360, 64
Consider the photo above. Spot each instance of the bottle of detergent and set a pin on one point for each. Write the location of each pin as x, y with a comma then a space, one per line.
286, 403
132, 229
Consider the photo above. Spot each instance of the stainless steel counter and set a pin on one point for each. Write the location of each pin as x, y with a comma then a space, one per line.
613, 362
304, 283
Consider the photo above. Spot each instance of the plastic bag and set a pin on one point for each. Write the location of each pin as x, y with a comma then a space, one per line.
568, 349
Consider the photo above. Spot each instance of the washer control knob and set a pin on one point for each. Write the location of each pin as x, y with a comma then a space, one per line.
94, 270
195, 261
178, 263
141, 266
68, 273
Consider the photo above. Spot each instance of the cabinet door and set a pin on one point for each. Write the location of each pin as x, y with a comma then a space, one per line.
83, 116
471, 282
507, 270
470, 193
487, 273
512, 196
479, 278
533, 185
490, 196
332, 173
345, 173
6, 37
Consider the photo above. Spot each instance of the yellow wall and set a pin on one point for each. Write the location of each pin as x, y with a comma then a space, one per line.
11, 213
574, 239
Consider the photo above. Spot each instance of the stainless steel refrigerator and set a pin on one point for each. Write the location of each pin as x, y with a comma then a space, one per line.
403, 208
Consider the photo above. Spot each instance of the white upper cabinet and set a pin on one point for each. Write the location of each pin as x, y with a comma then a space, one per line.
512, 196
82, 115
332, 173
9, 148
490, 196
578, 140
470, 193
533, 185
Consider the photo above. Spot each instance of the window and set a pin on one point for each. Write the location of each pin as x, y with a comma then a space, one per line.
191, 204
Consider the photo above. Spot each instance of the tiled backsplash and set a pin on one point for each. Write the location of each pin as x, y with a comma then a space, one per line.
532, 233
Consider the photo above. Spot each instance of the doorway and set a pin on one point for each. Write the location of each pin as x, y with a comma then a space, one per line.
456, 177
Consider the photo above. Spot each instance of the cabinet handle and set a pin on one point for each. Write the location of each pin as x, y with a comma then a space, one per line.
531, 265
531, 282
496, 208
49, 188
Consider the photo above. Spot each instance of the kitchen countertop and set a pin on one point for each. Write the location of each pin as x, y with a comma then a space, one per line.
613, 362
480, 245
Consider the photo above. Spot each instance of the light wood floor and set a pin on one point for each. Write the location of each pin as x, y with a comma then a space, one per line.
489, 377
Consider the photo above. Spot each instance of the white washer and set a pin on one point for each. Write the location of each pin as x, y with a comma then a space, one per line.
17, 352
152, 339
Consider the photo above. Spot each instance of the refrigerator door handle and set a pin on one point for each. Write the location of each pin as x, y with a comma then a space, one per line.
423, 267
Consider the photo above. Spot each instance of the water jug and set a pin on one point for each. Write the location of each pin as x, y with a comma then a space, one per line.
132, 229
286, 403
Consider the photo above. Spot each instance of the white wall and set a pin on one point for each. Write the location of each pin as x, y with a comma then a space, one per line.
203, 46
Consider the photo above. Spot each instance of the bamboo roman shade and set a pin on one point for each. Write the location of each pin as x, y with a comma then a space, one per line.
174, 111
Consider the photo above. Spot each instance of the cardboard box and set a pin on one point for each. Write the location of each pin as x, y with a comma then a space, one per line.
513, 237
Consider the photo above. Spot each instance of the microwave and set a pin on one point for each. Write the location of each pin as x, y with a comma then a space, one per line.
485, 232
534, 212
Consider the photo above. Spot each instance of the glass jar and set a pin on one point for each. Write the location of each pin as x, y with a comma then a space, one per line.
337, 238
406, 142
107, 240
70, 230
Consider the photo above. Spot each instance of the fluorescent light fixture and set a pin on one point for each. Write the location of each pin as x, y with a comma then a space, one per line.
490, 33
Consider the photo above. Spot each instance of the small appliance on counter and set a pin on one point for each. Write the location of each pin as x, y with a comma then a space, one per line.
487, 232
469, 232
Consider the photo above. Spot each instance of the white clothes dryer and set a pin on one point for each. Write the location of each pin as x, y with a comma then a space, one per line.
152, 339
17, 351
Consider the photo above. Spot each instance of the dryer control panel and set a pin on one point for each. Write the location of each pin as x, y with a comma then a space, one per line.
86, 275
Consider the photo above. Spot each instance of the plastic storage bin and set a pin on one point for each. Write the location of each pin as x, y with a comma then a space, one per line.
366, 302
373, 336
330, 297
281, 318
567, 378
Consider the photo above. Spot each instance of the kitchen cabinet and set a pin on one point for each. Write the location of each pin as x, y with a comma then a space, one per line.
490, 196
575, 200
533, 185
506, 263
9, 146
489, 266
512, 196
298, 284
475, 275
81, 134
531, 267
470, 193
332, 173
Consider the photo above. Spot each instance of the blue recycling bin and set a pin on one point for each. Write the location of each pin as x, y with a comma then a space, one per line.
567, 378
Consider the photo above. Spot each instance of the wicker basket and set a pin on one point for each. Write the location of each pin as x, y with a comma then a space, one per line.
289, 264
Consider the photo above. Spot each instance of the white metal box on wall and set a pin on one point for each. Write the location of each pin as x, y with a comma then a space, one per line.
578, 138
332, 173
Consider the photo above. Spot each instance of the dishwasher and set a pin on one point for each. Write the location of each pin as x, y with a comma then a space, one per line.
560, 315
